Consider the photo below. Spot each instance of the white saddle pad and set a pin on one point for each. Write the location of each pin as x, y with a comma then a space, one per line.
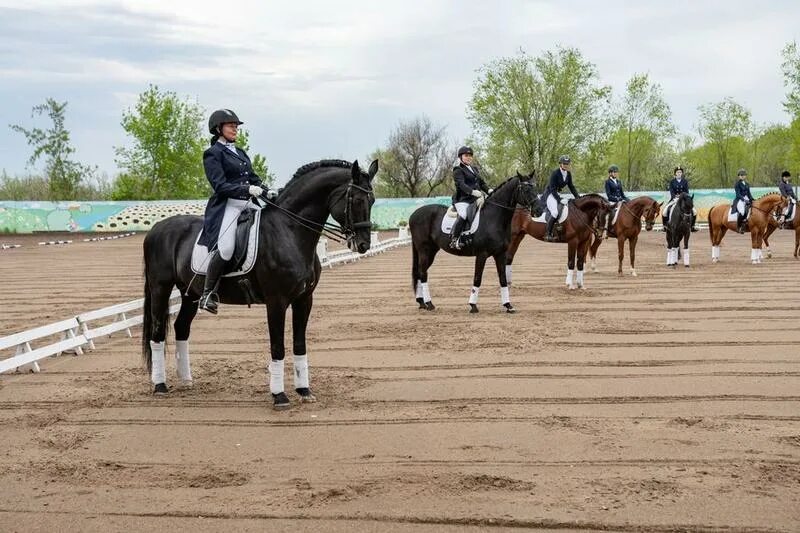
450, 217
200, 252
543, 217
734, 217
667, 209
792, 203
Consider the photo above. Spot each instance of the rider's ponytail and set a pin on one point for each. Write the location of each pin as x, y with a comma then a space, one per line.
214, 139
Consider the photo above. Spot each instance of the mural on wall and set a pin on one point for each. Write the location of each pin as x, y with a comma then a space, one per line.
387, 213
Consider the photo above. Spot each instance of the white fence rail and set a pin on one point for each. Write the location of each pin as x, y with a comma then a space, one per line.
77, 333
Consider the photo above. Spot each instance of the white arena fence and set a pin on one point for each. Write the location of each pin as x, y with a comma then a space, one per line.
76, 334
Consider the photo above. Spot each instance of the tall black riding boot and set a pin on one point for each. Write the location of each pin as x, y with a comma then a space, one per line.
551, 224
209, 299
740, 224
455, 233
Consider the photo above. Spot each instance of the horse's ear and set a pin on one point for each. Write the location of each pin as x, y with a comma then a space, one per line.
692, 196
660, 204
373, 169
356, 171
532, 174
519, 175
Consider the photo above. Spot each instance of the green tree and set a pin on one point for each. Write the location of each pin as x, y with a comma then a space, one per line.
643, 124
529, 110
63, 174
724, 126
260, 165
791, 80
417, 160
166, 159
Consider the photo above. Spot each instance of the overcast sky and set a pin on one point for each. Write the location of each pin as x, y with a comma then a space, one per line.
316, 79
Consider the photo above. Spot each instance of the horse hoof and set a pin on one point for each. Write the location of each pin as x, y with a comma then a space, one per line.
473, 308
429, 306
305, 395
633, 273
687, 266
572, 287
769, 255
280, 401
715, 260
421, 303
160, 389
186, 384
509, 308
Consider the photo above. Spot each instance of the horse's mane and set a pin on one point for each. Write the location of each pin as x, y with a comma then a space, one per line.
593, 195
769, 194
499, 186
310, 167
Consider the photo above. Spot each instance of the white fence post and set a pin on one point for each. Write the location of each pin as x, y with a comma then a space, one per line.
374, 238
25, 348
402, 232
322, 250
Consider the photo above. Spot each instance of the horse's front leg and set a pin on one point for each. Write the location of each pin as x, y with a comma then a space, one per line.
516, 240
301, 310
480, 263
632, 245
571, 250
276, 321
755, 245
620, 253
583, 249
686, 248
505, 297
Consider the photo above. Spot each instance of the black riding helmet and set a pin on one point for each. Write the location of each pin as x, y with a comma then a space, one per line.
786, 174
220, 117
564, 160
613, 168
677, 169
464, 150
742, 172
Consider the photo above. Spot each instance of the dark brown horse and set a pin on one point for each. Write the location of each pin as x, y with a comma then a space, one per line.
761, 213
793, 224
627, 228
577, 231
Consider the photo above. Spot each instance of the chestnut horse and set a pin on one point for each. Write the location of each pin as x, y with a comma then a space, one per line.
627, 228
576, 231
761, 212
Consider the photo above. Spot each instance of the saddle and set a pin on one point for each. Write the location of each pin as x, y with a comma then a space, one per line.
473, 219
244, 254
540, 213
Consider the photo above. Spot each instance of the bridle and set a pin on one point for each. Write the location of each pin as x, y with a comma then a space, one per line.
514, 197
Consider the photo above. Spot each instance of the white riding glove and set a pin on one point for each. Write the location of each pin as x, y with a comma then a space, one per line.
271, 194
480, 201
255, 190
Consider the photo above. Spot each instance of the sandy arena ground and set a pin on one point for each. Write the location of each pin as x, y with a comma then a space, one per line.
667, 402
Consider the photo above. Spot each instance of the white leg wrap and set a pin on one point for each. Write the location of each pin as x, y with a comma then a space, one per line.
686, 257
508, 274
419, 289
753, 255
570, 273
473, 295
505, 298
426, 293
715, 252
182, 361
158, 374
300, 371
669, 256
276, 376
760, 254
579, 277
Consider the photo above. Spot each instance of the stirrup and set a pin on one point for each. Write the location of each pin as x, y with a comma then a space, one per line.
209, 302
455, 243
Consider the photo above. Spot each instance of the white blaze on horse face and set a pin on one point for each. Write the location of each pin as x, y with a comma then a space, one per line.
508, 274
300, 371
183, 362
473, 295
505, 297
276, 376
426, 293
158, 374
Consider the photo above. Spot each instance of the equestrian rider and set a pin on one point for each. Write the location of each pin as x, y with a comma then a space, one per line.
470, 188
614, 194
679, 185
787, 192
230, 173
560, 178
743, 199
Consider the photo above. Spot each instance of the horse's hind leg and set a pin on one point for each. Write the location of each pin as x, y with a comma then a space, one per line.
276, 322
621, 254
480, 264
182, 326
159, 311
301, 310
516, 240
593, 252
686, 249
424, 262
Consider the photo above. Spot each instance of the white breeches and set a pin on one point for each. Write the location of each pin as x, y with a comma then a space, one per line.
226, 241
552, 205
740, 206
461, 209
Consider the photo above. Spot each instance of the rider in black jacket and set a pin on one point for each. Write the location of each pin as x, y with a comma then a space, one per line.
560, 178
470, 188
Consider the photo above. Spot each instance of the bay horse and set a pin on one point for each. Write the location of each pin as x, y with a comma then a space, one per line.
761, 212
678, 227
489, 240
285, 273
578, 228
791, 225
627, 227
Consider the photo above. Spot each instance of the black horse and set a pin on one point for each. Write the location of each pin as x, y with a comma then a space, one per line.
491, 239
679, 226
285, 273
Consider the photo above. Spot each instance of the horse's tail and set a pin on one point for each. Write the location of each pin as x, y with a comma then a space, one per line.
147, 318
711, 225
414, 266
